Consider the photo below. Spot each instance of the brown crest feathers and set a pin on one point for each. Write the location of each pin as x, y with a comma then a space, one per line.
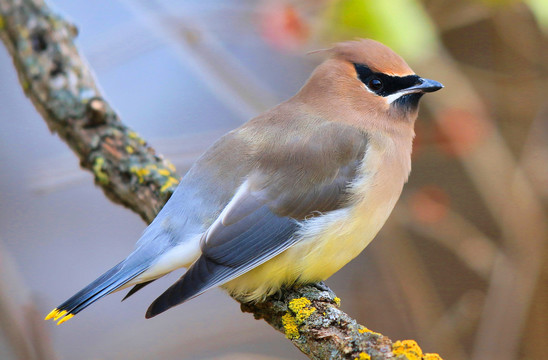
378, 57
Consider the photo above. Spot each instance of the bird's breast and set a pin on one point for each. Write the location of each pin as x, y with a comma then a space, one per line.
346, 232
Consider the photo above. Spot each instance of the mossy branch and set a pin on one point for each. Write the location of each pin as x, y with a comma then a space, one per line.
57, 80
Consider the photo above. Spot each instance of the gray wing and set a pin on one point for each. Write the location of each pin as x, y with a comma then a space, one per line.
260, 221
267, 236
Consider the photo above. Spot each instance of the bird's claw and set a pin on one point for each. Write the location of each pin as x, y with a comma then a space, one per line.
322, 286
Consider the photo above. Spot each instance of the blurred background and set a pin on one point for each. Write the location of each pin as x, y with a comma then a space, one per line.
461, 266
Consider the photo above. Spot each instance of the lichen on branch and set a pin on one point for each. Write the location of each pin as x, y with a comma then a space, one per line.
311, 318
57, 80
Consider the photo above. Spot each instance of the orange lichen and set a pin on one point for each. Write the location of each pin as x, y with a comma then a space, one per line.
409, 348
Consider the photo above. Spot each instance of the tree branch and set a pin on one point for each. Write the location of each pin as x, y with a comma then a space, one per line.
56, 79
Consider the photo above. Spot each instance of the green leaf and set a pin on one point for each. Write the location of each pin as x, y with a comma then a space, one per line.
540, 10
401, 24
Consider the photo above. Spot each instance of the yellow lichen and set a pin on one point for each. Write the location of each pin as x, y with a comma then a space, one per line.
337, 301
129, 149
290, 326
140, 172
153, 172
171, 181
362, 330
409, 348
133, 135
100, 175
364, 356
301, 308
432, 357
1, 22
304, 314
297, 304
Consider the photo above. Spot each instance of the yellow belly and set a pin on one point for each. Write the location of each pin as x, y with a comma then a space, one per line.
324, 250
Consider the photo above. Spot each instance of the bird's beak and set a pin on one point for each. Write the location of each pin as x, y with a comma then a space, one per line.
424, 86
421, 86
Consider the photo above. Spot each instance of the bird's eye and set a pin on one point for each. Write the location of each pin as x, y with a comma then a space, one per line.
375, 84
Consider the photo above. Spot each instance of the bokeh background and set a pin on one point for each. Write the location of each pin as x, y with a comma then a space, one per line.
461, 266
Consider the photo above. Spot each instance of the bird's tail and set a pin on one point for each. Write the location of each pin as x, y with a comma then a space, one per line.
107, 283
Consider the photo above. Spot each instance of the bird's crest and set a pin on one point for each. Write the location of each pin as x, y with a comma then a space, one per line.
378, 57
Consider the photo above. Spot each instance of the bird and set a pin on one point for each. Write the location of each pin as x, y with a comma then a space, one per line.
289, 197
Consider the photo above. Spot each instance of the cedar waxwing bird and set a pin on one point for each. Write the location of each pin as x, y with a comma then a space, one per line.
289, 197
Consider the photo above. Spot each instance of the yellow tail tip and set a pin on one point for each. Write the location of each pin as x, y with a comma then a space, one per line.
59, 315
68, 317
52, 314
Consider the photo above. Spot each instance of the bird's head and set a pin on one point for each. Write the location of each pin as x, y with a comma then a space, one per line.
367, 83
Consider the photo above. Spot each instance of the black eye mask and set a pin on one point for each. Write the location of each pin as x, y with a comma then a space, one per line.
382, 84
